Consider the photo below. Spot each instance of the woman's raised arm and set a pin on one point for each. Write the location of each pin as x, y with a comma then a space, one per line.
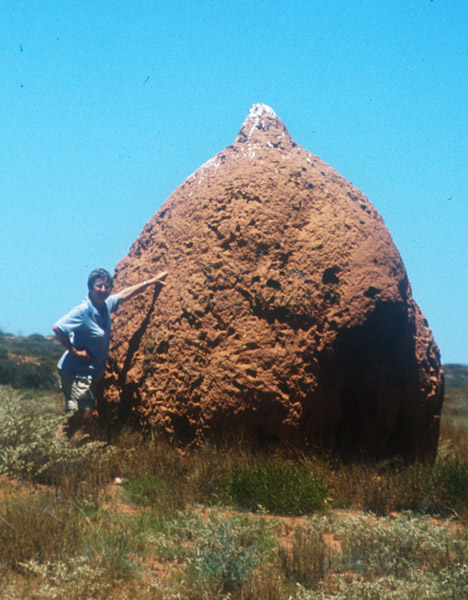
131, 291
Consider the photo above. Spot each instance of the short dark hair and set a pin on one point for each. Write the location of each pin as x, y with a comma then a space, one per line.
99, 274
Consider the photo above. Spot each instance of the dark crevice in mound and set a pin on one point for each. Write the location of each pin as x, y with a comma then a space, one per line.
135, 340
184, 431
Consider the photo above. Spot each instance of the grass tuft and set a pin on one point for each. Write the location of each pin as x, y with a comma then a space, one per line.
163, 495
275, 486
307, 560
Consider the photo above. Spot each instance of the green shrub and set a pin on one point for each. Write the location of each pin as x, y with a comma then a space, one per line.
223, 560
73, 578
228, 552
278, 487
26, 375
35, 345
144, 490
451, 482
397, 546
29, 362
32, 449
454, 581
163, 495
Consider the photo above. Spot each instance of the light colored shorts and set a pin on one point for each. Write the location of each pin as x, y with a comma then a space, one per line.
80, 391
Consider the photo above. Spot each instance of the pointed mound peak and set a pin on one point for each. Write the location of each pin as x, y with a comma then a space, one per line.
263, 125
260, 109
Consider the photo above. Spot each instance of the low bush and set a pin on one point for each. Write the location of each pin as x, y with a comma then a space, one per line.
451, 482
162, 495
32, 449
394, 546
25, 375
282, 488
226, 557
46, 349
29, 362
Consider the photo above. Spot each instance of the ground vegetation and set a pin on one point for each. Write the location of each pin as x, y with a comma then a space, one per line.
129, 515
28, 362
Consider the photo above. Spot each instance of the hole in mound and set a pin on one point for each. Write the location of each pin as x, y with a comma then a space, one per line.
329, 275
272, 283
371, 292
184, 432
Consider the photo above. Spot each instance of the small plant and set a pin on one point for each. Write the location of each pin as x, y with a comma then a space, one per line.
228, 553
307, 560
161, 494
451, 476
223, 560
454, 583
32, 449
397, 546
73, 578
144, 490
278, 487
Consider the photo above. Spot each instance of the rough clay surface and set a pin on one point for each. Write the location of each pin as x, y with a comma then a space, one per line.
287, 313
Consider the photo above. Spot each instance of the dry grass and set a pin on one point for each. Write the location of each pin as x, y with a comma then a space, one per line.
175, 529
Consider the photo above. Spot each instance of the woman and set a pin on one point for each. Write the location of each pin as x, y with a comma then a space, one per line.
85, 334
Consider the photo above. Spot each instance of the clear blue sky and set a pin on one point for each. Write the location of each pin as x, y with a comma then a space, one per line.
106, 107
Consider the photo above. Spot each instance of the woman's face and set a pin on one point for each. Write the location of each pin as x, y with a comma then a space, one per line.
100, 292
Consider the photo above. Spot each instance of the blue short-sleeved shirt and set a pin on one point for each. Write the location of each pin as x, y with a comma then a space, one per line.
88, 329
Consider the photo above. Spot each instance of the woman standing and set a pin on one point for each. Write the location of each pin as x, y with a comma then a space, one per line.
85, 333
